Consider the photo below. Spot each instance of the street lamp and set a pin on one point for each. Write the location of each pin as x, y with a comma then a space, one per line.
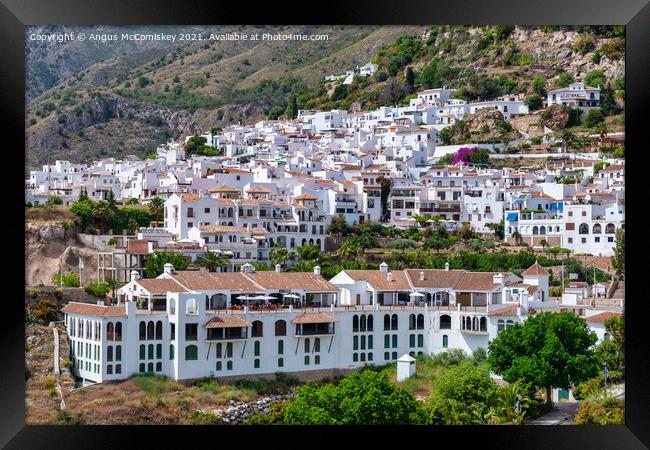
605, 373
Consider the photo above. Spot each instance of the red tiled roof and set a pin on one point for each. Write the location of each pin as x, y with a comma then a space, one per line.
226, 321
314, 318
602, 317
88, 309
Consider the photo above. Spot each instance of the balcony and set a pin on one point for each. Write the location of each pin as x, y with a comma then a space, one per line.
226, 334
314, 329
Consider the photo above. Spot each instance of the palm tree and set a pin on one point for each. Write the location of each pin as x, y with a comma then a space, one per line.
507, 398
308, 252
349, 249
567, 137
602, 131
212, 261
102, 213
517, 236
280, 255
156, 208
112, 285
544, 244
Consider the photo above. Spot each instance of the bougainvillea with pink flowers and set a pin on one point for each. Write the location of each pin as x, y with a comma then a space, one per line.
462, 155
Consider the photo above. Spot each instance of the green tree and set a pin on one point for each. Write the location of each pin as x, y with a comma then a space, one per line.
538, 84
464, 395
98, 288
437, 243
54, 200
280, 255
83, 194
595, 78
564, 79
154, 265
112, 286
534, 102
618, 260
498, 228
212, 261
363, 398
594, 117
507, 397
103, 214
548, 350
83, 210
339, 226
70, 279
309, 252
292, 108
410, 78
349, 249
45, 311
156, 208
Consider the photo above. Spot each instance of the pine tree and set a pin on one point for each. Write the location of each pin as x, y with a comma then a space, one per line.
83, 195
292, 108
618, 260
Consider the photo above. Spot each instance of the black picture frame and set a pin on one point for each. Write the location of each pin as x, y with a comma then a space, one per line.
635, 14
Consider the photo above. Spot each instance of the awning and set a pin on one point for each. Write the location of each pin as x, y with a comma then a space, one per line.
512, 217
228, 321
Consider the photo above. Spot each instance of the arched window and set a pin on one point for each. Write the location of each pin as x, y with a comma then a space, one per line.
420, 340
445, 322
535, 230
307, 346
109, 370
280, 362
394, 355
501, 325
445, 341
412, 322
118, 331
387, 341
420, 322
150, 351
109, 353
355, 323
191, 307
150, 330
280, 328
483, 324
143, 331
228, 365
468, 323
386, 356
150, 367
256, 348
172, 351
219, 350
118, 368
393, 322
306, 360
584, 229
229, 352
317, 344
362, 323
542, 230
158, 351
158, 367
280, 347
509, 323
370, 323
370, 342
394, 341
386, 322
355, 342
411, 340
363, 342
191, 353
610, 229
142, 366
109, 331
172, 306
258, 329
219, 365
256, 364
159, 329
317, 359
363, 357
143, 351
118, 353
597, 229
355, 357
474, 323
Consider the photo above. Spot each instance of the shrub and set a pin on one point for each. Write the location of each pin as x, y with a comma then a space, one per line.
594, 117
64, 418
608, 411
595, 78
70, 279
204, 418
614, 49
589, 389
534, 102
45, 311
68, 364
274, 417
584, 44
98, 288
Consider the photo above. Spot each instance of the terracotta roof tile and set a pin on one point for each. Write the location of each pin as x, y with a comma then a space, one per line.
602, 317
226, 321
314, 318
535, 269
88, 309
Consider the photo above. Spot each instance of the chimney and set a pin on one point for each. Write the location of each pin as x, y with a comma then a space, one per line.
383, 267
317, 270
389, 276
168, 268
134, 275
421, 276
447, 266
498, 279
278, 268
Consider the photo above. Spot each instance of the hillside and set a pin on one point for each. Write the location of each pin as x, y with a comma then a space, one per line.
132, 99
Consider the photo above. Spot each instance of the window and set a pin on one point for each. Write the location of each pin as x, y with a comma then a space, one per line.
387, 341
280, 362
393, 322
191, 353
420, 322
420, 340
501, 325
306, 345
150, 351
445, 322
191, 307
306, 360
317, 344
142, 366
118, 368
229, 350
143, 331
280, 328
172, 331
150, 328
150, 367
394, 341
412, 322
142, 351
355, 323
583, 229
118, 353
394, 355
158, 367
172, 306
171, 351
362, 323
109, 331
386, 322
370, 323
363, 342
109, 353
158, 351
370, 342
228, 365
256, 364
258, 329
109, 370
256, 348
280, 347
355, 342
355, 357
411, 340
386, 356
445, 341
159, 330
191, 330
317, 359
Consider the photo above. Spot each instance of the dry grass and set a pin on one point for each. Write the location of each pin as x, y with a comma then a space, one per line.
54, 213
